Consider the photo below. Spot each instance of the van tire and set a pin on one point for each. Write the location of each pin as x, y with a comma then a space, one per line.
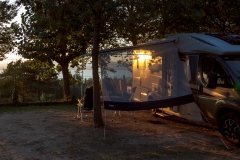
229, 126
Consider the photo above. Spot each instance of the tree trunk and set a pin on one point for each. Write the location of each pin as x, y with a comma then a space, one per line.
66, 87
96, 89
134, 39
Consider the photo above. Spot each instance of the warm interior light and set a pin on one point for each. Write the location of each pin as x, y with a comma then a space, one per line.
142, 56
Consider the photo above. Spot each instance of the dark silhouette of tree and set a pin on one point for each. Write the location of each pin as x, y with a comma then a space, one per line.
222, 15
54, 31
7, 13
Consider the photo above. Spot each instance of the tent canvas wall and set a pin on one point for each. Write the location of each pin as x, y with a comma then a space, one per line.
144, 77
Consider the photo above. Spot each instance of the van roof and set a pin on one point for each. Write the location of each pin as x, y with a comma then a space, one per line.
216, 43
233, 39
194, 43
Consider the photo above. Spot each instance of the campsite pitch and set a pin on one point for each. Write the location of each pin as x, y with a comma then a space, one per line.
54, 133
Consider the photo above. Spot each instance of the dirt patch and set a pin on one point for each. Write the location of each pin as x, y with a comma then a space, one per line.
56, 134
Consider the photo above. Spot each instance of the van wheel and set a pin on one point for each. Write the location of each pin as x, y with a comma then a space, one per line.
153, 112
229, 126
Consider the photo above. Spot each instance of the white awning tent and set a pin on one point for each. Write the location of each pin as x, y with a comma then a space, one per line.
144, 77
157, 74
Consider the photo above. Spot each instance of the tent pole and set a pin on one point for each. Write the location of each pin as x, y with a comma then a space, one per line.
82, 82
104, 132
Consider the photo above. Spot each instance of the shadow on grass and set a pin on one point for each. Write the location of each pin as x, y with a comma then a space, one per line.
13, 109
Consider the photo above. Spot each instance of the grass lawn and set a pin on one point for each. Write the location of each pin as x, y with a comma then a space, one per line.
52, 132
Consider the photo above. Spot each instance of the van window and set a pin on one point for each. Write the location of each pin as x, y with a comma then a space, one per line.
234, 63
211, 65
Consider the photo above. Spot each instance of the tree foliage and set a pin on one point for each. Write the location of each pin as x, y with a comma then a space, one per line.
7, 13
54, 31
135, 21
141, 21
28, 82
222, 15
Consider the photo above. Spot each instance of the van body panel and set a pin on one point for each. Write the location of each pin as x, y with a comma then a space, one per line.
213, 103
188, 111
203, 43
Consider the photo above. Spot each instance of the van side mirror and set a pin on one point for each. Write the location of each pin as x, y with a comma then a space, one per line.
212, 80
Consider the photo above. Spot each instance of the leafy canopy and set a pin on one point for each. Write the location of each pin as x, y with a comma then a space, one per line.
7, 13
55, 31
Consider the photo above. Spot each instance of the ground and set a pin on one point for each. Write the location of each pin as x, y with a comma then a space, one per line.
56, 134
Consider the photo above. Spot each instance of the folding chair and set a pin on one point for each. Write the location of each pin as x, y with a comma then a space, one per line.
82, 110
86, 105
129, 99
132, 94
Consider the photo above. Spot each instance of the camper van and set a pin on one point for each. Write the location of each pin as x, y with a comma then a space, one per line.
214, 59
195, 76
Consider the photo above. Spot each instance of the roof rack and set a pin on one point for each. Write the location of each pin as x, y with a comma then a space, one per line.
233, 39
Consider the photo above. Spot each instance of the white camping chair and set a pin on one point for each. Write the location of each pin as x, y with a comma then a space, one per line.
128, 99
86, 104
82, 110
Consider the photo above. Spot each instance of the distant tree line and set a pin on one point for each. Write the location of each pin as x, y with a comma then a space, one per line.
29, 87
29, 84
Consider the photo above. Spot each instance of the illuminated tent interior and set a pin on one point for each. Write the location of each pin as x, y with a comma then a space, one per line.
144, 77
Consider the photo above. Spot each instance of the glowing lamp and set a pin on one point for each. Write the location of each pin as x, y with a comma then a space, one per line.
142, 56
